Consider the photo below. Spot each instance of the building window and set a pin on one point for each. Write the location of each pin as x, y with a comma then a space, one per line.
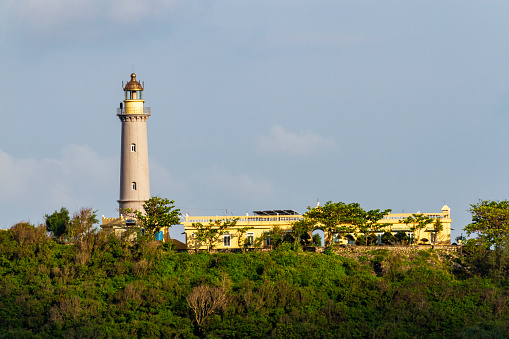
268, 240
133, 186
410, 236
226, 240
250, 239
133, 147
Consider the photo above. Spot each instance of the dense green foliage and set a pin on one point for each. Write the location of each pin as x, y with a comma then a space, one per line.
332, 218
489, 250
340, 219
57, 222
113, 288
157, 213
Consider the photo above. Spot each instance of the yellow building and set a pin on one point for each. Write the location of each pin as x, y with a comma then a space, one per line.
258, 224
442, 238
262, 222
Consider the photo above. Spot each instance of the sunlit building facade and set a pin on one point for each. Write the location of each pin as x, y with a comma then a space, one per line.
262, 223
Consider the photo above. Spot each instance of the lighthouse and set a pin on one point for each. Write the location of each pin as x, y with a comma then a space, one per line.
134, 173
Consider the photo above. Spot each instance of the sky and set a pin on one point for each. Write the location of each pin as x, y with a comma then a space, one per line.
256, 105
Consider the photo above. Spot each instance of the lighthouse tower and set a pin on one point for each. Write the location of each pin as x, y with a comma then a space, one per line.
134, 175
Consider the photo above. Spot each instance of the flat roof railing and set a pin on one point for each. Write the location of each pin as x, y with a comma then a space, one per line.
245, 218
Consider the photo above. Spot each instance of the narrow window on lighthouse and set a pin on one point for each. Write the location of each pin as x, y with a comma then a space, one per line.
133, 186
133, 147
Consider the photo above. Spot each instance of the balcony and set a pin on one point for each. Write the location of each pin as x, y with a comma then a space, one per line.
132, 110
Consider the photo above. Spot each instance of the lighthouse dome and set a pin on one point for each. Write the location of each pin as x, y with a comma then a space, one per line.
133, 85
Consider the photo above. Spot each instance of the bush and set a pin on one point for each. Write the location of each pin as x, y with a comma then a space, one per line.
142, 290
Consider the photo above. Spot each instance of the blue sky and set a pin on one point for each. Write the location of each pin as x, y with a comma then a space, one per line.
257, 104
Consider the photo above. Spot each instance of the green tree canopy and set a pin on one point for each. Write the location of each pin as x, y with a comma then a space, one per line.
209, 234
301, 230
159, 212
334, 218
401, 237
57, 223
368, 222
416, 223
438, 227
490, 222
490, 225
388, 238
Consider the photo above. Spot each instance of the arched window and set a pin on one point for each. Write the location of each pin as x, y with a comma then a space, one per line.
133, 186
133, 147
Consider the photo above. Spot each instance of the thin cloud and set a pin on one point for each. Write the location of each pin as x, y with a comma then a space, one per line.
281, 141
51, 20
308, 40
80, 174
241, 186
163, 184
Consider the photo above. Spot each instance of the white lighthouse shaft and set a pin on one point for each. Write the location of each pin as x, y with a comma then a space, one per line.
134, 170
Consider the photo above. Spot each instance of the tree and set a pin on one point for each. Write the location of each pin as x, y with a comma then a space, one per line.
369, 223
388, 238
275, 236
82, 232
81, 224
301, 230
417, 222
27, 234
490, 224
209, 234
370, 240
57, 222
206, 300
401, 237
334, 218
317, 239
241, 241
437, 228
159, 213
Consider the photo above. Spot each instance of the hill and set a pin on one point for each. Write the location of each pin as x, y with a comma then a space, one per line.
105, 287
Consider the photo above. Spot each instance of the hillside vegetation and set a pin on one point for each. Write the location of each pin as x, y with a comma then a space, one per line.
102, 287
